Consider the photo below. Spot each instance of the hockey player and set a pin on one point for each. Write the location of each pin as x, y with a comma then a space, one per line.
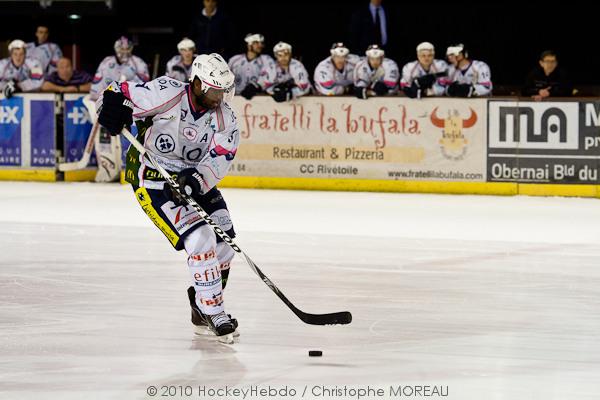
47, 53
247, 67
180, 66
192, 132
334, 75
287, 78
375, 75
424, 77
123, 66
19, 73
466, 77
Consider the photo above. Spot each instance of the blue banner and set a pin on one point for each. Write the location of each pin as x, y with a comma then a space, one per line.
11, 115
43, 133
77, 128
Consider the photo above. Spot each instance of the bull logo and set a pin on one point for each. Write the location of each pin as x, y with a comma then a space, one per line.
453, 143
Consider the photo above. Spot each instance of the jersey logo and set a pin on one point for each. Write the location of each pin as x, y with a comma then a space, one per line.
190, 133
164, 143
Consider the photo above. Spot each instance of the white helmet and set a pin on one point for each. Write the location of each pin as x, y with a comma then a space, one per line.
213, 72
186, 44
338, 49
254, 37
374, 51
282, 47
425, 46
456, 49
16, 44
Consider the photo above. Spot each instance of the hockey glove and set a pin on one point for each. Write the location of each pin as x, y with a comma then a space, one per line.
426, 81
360, 92
380, 88
413, 90
460, 90
115, 112
251, 90
281, 93
9, 89
190, 182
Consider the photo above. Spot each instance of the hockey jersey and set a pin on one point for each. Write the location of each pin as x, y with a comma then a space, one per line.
247, 71
135, 69
414, 69
29, 77
47, 54
477, 74
176, 133
274, 74
176, 69
330, 81
365, 76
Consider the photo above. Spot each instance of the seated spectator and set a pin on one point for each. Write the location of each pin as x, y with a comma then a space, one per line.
334, 75
285, 79
123, 66
426, 76
375, 75
466, 77
65, 80
47, 53
247, 66
180, 66
19, 73
547, 79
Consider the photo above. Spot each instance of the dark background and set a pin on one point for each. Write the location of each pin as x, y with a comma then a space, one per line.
508, 36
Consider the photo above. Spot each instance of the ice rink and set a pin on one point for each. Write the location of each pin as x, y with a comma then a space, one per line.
470, 297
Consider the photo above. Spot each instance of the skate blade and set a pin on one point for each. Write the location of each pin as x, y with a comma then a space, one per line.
226, 339
205, 331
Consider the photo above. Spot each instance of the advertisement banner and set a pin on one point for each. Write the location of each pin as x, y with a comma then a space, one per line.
11, 116
43, 133
77, 128
543, 142
391, 138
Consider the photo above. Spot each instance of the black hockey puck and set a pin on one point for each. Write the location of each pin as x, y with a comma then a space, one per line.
315, 353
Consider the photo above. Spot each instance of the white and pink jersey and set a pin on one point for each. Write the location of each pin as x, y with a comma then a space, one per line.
135, 69
331, 81
47, 54
247, 71
176, 68
178, 134
29, 77
388, 73
477, 73
414, 70
275, 74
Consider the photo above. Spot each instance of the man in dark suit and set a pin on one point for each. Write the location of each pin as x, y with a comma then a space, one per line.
369, 26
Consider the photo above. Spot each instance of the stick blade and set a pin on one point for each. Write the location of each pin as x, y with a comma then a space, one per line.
338, 318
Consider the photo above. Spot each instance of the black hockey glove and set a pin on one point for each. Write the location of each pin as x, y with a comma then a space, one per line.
190, 182
251, 90
413, 91
282, 93
460, 90
380, 88
426, 81
115, 112
9, 89
360, 92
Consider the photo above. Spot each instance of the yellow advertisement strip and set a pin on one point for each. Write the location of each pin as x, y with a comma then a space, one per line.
40, 175
84, 175
529, 189
287, 152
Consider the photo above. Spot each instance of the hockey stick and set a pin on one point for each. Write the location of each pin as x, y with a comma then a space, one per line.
341, 318
89, 146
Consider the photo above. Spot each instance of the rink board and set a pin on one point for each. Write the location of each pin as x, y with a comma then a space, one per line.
465, 146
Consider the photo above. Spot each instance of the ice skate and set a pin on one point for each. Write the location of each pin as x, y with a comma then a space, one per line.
199, 319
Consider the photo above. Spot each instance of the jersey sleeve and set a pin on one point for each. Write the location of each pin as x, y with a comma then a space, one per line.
361, 75
301, 79
406, 79
483, 85
391, 75
35, 78
141, 69
222, 150
3, 68
268, 76
441, 83
98, 81
149, 98
56, 55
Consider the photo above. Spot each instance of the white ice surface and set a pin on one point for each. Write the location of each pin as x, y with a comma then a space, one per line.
489, 297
